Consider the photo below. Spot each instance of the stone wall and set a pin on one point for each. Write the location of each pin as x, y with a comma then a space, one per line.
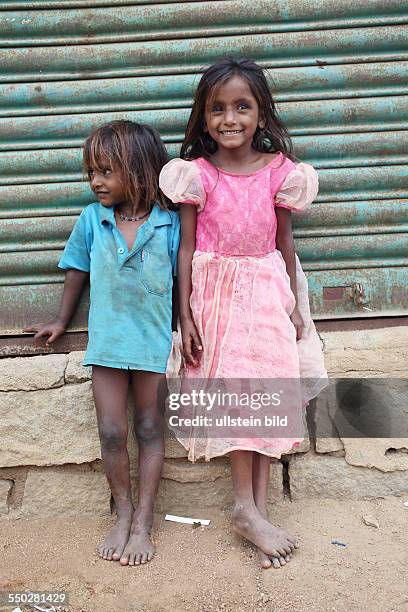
50, 457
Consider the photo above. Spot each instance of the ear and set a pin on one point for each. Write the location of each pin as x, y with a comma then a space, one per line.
261, 123
205, 128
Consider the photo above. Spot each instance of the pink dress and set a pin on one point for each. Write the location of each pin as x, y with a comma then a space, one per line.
241, 298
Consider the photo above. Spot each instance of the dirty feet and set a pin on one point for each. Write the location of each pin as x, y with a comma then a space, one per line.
113, 545
267, 562
275, 545
139, 548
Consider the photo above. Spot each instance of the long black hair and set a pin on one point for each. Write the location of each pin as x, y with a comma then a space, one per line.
137, 151
273, 137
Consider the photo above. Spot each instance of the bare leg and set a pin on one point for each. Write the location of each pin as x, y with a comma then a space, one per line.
110, 389
149, 433
246, 518
260, 481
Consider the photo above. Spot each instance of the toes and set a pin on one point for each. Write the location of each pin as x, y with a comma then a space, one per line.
132, 559
288, 558
150, 555
264, 559
275, 562
137, 558
124, 560
115, 556
109, 554
143, 558
282, 561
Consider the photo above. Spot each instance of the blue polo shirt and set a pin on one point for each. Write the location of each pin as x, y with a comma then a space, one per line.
129, 323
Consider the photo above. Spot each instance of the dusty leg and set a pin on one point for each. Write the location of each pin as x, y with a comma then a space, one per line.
149, 433
260, 481
110, 388
246, 518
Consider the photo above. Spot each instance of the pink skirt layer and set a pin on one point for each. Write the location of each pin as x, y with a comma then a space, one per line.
241, 307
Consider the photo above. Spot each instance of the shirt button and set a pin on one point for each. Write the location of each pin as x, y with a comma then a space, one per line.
121, 250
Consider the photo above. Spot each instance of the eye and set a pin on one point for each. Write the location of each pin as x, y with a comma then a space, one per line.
107, 172
243, 106
90, 173
217, 108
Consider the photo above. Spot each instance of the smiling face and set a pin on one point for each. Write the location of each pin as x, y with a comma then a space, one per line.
106, 183
232, 115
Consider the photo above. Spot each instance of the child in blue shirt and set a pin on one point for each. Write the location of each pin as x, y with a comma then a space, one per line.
127, 244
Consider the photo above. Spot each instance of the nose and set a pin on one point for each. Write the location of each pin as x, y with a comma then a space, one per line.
229, 116
95, 180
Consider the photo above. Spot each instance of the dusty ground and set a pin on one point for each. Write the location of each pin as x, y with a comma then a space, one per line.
209, 568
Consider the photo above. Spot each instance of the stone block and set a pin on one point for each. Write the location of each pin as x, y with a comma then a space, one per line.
65, 491
385, 454
49, 427
194, 498
329, 445
32, 373
76, 372
185, 471
326, 476
357, 353
191, 488
5, 488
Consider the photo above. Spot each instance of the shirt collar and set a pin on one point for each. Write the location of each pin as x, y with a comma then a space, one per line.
158, 216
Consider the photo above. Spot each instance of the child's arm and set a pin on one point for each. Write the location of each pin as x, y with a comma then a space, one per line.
73, 285
285, 244
191, 339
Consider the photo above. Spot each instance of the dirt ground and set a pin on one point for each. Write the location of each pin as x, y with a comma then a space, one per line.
211, 569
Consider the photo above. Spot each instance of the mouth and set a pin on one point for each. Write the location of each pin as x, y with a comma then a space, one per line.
101, 194
230, 132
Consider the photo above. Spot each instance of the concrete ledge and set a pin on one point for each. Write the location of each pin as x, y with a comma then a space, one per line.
365, 353
69, 490
32, 373
50, 454
325, 476
48, 427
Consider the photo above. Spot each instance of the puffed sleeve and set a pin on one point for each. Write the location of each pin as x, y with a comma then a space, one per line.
180, 181
299, 188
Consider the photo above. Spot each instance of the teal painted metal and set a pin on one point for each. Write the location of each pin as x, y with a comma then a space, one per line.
132, 94
186, 20
340, 76
279, 50
364, 118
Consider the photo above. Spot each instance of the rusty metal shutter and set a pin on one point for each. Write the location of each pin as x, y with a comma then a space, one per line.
340, 76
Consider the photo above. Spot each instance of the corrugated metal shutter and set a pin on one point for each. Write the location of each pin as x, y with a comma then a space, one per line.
340, 71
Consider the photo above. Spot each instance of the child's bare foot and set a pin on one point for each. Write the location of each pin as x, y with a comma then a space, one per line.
139, 548
267, 562
113, 545
274, 544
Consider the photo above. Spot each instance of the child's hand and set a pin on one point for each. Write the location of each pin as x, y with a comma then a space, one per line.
297, 321
191, 343
50, 330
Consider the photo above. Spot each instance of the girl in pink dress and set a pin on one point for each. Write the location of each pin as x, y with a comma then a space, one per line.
244, 309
